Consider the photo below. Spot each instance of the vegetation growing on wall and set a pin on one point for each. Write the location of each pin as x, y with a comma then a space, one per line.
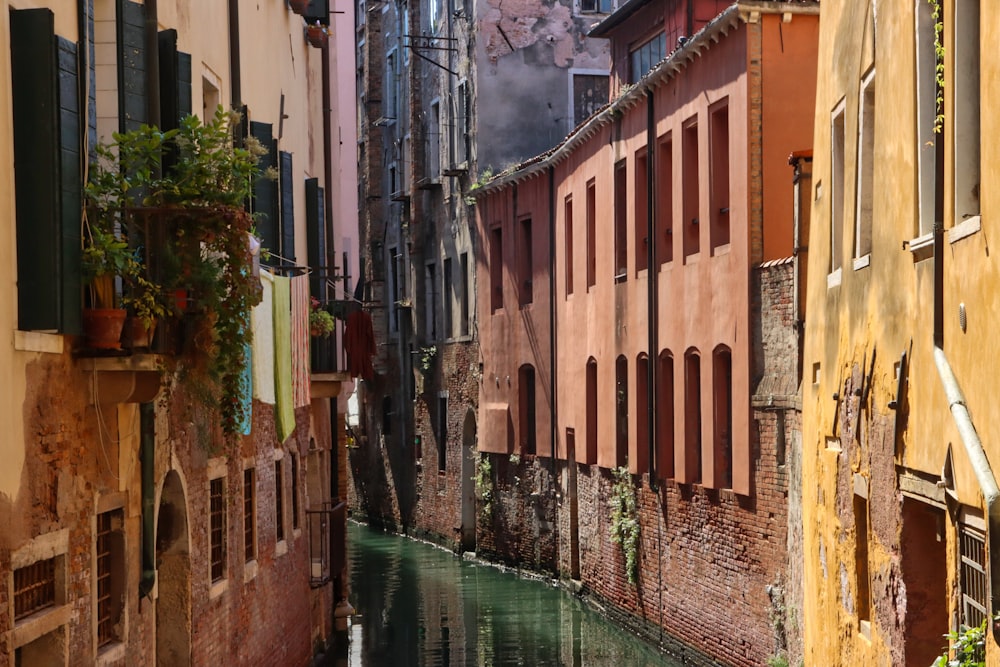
484, 484
625, 520
968, 645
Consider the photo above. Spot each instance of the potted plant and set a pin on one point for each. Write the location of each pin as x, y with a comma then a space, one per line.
317, 34
321, 323
105, 256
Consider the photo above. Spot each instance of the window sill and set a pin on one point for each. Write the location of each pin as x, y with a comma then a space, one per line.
33, 341
922, 247
40, 623
721, 249
621, 277
692, 258
280, 548
965, 229
862, 262
110, 653
833, 279
296, 533
218, 588
249, 571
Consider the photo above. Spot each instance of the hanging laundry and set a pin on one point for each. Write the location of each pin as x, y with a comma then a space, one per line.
359, 344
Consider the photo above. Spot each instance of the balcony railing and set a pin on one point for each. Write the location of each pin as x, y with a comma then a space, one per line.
327, 542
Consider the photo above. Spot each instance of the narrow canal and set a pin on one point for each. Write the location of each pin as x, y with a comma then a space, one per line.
421, 606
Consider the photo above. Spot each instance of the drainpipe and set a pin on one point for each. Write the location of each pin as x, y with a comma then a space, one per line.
652, 282
967, 430
147, 440
553, 403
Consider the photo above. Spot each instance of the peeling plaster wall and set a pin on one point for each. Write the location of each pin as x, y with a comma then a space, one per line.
523, 55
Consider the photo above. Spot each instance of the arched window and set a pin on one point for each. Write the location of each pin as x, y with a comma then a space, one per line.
526, 408
621, 411
665, 415
692, 417
591, 411
722, 415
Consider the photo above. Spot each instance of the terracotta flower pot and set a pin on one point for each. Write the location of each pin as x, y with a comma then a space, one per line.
316, 35
103, 327
139, 335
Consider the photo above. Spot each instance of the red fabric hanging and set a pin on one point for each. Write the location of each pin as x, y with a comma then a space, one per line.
359, 344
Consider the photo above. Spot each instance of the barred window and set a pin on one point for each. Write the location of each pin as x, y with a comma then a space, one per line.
972, 547
217, 528
249, 516
110, 564
34, 587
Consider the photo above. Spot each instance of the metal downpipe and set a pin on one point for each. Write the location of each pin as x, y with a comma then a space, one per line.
652, 283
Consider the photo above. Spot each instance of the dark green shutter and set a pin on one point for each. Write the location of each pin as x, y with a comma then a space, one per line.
287, 208
315, 232
183, 84
170, 114
131, 66
265, 190
317, 10
46, 134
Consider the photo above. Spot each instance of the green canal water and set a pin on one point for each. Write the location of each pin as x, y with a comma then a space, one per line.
421, 606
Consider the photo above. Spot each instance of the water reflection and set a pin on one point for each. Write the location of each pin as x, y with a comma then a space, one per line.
421, 606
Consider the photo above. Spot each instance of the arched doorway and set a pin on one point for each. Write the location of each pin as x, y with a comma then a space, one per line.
173, 601
468, 483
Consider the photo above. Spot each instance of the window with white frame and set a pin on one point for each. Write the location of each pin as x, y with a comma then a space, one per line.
866, 171
837, 189
929, 136
967, 109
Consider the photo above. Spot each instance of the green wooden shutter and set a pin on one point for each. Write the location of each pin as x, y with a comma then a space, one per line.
71, 179
287, 207
170, 114
36, 167
265, 190
315, 233
131, 66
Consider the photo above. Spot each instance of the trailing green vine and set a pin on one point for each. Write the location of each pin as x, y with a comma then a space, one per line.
625, 520
938, 65
484, 484
968, 645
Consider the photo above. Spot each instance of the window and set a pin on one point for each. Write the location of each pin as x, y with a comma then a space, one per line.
837, 190
591, 411
34, 588
442, 432
722, 408
590, 93
394, 289
692, 417
217, 528
249, 515
641, 211
460, 125
391, 86
295, 491
665, 200
621, 221
526, 408
110, 576
568, 230
446, 300
621, 411
967, 135
431, 290
434, 141
665, 415
46, 148
719, 144
866, 171
434, 14
464, 262
692, 187
279, 502
496, 269
642, 413
972, 576
602, 6
591, 233
930, 138
646, 56
526, 260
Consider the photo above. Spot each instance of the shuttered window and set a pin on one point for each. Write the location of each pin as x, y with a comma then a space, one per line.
287, 207
46, 173
131, 67
265, 190
316, 232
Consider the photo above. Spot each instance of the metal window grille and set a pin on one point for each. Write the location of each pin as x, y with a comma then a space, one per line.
279, 505
973, 576
217, 527
295, 492
249, 515
34, 587
107, 610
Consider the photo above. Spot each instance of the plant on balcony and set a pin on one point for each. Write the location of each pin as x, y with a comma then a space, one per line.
198, 198
320, 323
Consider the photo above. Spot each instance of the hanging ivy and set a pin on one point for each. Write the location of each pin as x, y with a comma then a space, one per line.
625, 520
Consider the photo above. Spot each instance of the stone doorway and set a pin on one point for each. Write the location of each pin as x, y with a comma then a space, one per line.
925, 573
173, 600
